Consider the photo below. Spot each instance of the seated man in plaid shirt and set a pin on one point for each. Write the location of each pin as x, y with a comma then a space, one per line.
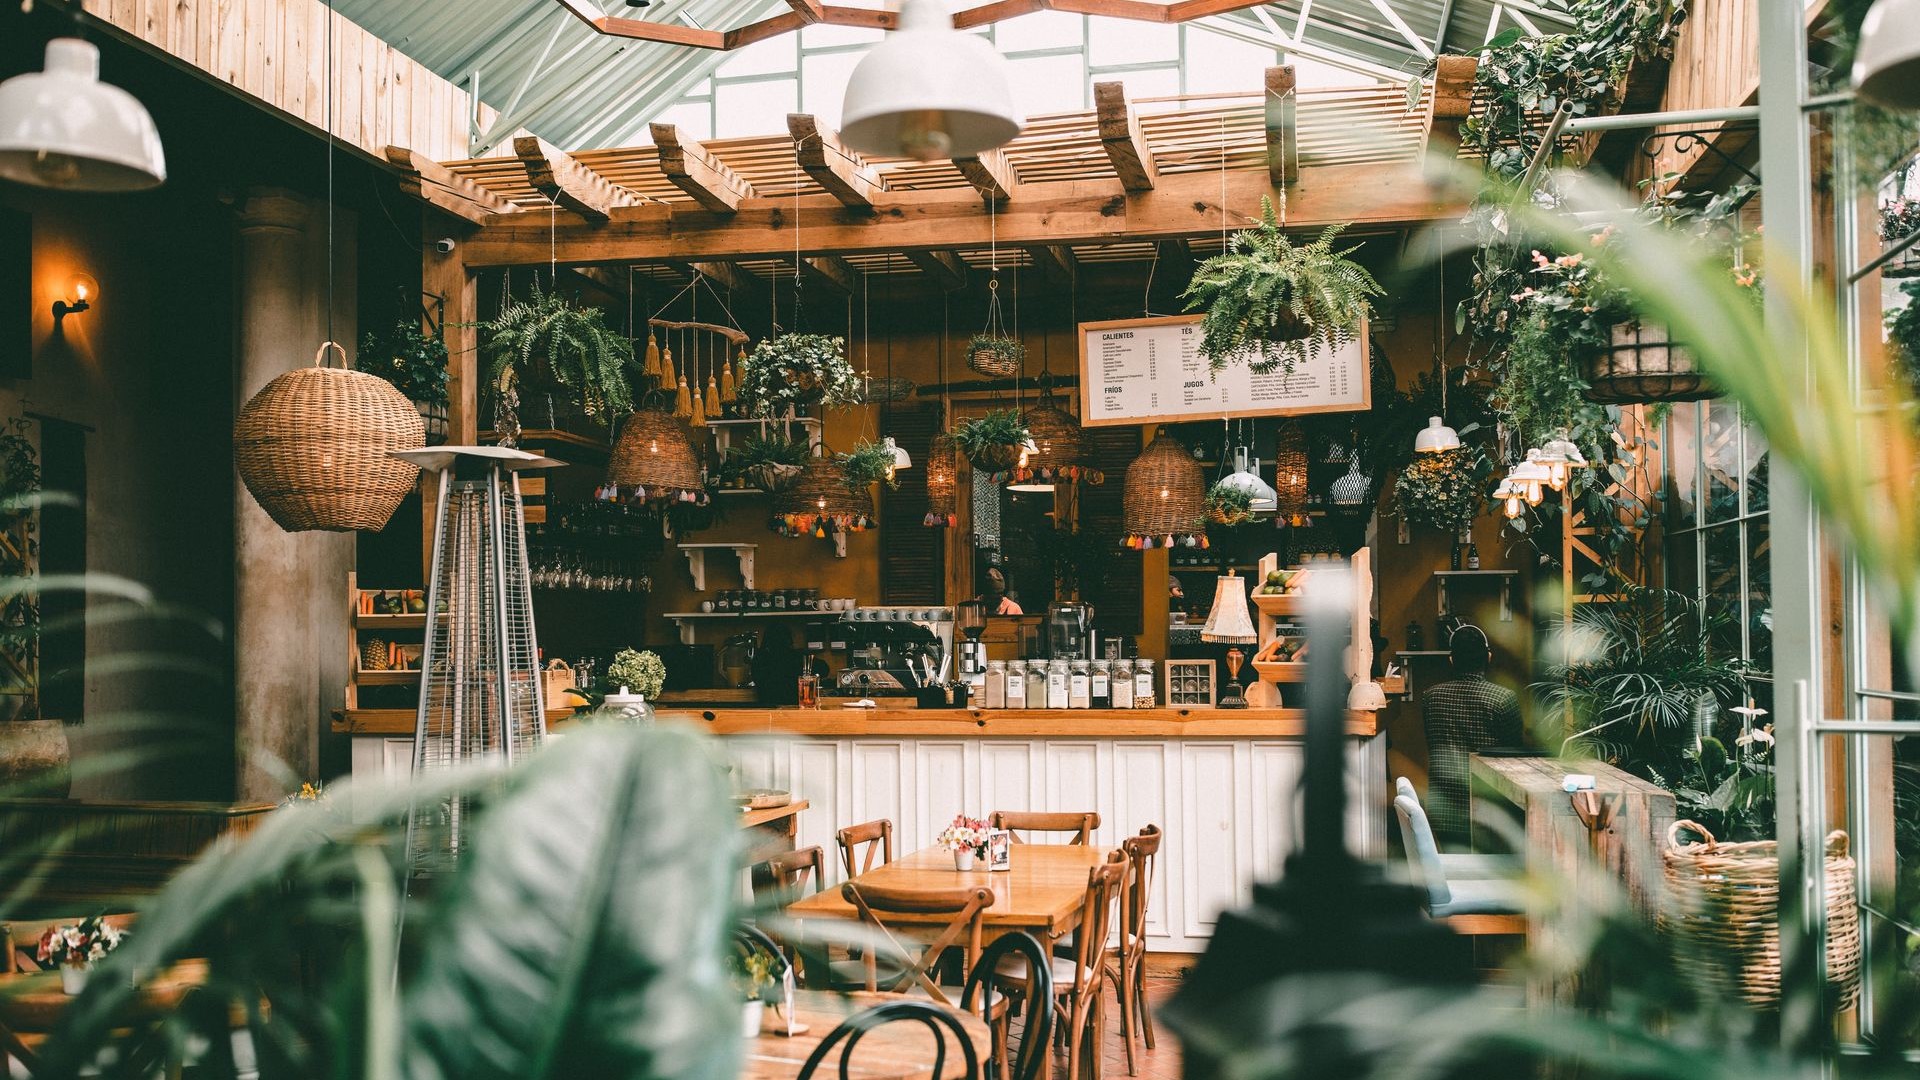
1463, 716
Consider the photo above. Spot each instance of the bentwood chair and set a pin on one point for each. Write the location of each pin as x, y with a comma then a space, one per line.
914, 968
876, 835
1077, 980
788, 876
1035, 990
938, 1021
1128, 963
1079, 824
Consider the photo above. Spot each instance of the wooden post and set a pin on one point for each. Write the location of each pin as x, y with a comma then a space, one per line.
446, 276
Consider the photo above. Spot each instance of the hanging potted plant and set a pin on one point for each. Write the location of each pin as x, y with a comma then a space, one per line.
415, 362
547, 340
1445, 490
992, 442
870, 463
1227, 504
772, 462
1274, 304
996, 355
792, 371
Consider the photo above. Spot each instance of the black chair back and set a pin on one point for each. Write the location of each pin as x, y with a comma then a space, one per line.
977, 996
855, 1028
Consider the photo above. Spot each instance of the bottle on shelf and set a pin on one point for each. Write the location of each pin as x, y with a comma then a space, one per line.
1121, 685
1143, 683
995, 690
1016, 682
1100, 686
1453, 557
1473, 556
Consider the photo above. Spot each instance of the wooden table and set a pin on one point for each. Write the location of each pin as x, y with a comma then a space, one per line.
902, 1050
775, 829
1042, 893
32, 1003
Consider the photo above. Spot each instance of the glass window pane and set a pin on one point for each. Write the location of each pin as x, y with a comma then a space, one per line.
769, 57
755, 108
1759, 595
693, 118
1756, 461
1721, 583
1152, 83
1720, 458
1683, 563
1127, 41
1218, 64
1683, 465
1049, 84
1040, 30
823, 81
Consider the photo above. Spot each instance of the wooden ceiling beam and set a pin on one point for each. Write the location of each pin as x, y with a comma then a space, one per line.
1056, 261
1063, 213
557, 175
1283, 138
442, 188
1120, 136
1449, 103
841, 172
690, 168
832, 271
996, 11
946, 269
990, 174
669, 33
727, 276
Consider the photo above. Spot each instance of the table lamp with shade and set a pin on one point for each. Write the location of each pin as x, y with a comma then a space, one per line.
1230, 623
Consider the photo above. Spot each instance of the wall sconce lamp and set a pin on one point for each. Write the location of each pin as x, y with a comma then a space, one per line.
83, 290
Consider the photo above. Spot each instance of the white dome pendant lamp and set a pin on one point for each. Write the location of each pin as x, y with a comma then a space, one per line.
928, 91
1886, 64
62, 127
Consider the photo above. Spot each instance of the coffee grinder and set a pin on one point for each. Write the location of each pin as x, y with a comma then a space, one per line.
970, 618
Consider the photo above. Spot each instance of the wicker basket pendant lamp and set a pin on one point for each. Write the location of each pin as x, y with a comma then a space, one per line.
654, 461
1060, 452
315, 447
822, 503
943, 483
1290, 474
1162, 501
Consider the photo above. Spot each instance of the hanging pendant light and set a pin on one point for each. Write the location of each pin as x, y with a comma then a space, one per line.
822, 503
928, 91
1560, 455
1531, 477
901, 459
653, 461
943, 471
1055, 452
1243, 478
1512, 497
1435, 437
1886, 65
1162, 501
61, 127
1290, 473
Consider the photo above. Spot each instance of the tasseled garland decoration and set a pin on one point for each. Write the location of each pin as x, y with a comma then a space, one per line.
727, 394
683, 401
697, 410
1068, 473
651, 364
713, 396
941, 521
617, 493
820, 526
1148, 543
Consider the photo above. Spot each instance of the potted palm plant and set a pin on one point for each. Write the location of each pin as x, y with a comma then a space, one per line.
1272, 303
992, 441
546, 339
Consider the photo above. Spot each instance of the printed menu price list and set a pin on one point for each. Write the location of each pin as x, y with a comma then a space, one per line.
1143, 370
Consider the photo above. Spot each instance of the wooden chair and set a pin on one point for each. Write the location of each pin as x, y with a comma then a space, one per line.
966, 911
940, 1022
1128, 964
1077, 980
1080, 825
788, 876
877, 835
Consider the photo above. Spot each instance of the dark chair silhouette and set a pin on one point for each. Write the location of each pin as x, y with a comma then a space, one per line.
939, 1021
1036, 991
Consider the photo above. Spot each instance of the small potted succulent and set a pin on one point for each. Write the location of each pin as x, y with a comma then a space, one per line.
996, 355
967, 839
1228, 504
415, 362
870, 463
992, 442
791, 371
76, 947
772, 462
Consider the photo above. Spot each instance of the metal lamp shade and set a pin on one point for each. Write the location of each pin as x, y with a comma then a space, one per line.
1435, 437
1058, 453
1163, 496
1247, 479
822, 503
1230, 622
62, 127
1886, 65
654, 461
928, 91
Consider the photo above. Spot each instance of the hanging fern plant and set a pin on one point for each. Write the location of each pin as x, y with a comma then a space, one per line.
795, 370
1273, 304
869, 463
547, 339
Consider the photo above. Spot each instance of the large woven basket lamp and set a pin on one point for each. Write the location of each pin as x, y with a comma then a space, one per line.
1161, 504
1290, 474
653, 461
315, 447
1060, 452
822, 503
943, 483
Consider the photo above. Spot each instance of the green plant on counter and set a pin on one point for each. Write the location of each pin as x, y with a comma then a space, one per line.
992, 440
639, 670
545, 338
1444, 490
1732, 794
1903, 336
1273, 304
414, 361
790, 370
868, 463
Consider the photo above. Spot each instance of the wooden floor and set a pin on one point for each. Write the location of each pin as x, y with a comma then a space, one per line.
1160, 1063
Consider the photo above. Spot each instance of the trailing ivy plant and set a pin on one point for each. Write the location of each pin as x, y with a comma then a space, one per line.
790, 370
1273, 304
868, 463
414, 361
546, 338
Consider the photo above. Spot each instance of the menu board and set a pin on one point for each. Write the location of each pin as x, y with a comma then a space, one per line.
1143, 371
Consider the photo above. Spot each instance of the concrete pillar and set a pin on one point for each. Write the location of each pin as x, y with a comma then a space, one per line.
290, 605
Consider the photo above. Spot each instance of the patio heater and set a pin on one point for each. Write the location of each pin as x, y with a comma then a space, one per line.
480, 692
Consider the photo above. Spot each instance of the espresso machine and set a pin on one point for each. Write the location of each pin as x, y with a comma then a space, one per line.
894, 651
970, 621
1070, 633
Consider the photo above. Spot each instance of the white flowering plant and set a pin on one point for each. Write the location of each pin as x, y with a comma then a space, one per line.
965, 833
79, 944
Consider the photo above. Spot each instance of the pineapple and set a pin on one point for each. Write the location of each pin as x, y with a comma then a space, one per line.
373, 654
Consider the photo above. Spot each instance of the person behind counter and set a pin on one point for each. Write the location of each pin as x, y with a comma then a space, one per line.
994, 596
1463, 716
777, 666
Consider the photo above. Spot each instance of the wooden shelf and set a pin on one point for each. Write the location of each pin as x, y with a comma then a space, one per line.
1283, 671
386, 678
1476, 573
685, 620
697, 561
1422, 652
560, 445
397, 721
1280, 603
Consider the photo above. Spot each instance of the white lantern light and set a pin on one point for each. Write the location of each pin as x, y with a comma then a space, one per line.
1435, 437
1531, 477
1560, 455
1246, 479
63, 128
928, 91
1886, 65
901, 459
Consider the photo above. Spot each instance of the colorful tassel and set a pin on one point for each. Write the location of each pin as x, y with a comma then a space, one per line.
651, 364
727, 392
683, 401
713, 395
666, 366
697, 410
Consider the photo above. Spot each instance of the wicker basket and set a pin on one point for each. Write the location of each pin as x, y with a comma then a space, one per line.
1061, 452
822, 503
1163, 495
654, 460
1722, 908
876, 391
994, 363
1641, 365
774, 477
315, 445
943, 470
994, 458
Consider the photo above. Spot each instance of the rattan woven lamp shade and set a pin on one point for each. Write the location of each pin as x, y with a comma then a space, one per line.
1060, 443
943, 483
822, 503
1290, 473
315, 445
654, 461
1162, 500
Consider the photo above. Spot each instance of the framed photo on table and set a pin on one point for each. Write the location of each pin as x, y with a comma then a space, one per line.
999, 849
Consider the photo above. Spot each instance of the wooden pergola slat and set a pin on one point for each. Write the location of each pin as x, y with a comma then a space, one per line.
1120, 136
438, 186
990, 174
711, 182
945, 268
555, 174
841, 172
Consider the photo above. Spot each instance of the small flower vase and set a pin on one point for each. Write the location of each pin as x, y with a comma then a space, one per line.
73, 978
963, 859
751, 1013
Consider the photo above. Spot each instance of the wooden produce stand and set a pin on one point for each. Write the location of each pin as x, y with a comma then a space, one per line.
1281, 608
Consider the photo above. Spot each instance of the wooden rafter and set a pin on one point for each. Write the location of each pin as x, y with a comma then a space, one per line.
1054, 260
1120, 136
731, 277
832, 271
1283, 137
1050, 214
990, 174
558, 176
839, 171
441, 187
709, 180
944, 267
